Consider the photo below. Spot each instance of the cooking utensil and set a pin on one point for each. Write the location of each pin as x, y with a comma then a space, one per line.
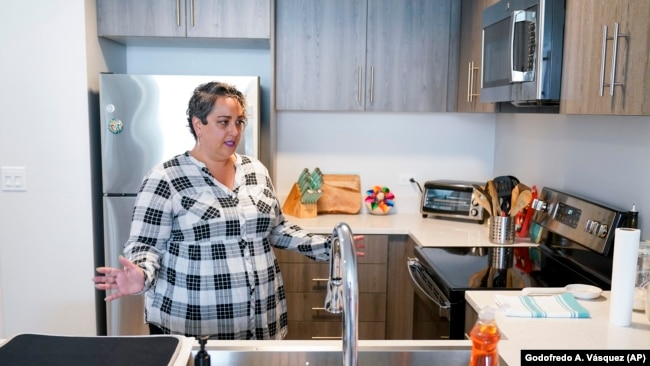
521, 197
483, 198
504, 185
579, 291
494, 197
513, 199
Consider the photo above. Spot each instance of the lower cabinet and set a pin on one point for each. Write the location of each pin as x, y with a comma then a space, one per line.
388, 306
305, 283
471, 316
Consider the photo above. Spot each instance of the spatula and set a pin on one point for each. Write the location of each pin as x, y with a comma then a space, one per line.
504, 185
494, 196
483, 198
521, 197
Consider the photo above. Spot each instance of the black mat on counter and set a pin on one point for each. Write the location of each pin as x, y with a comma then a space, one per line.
37, 349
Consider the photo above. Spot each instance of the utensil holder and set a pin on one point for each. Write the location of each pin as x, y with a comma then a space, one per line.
501, 257
502, 230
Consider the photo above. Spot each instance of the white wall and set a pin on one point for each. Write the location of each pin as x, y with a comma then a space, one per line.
601, 158
382, 146
46, 256
376, 146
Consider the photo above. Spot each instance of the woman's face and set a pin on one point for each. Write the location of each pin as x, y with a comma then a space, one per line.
220, 137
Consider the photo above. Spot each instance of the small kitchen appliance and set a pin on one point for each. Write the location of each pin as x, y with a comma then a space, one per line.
453, 199
522, 52
576, 248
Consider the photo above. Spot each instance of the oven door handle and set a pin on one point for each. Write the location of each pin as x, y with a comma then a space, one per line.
417, 272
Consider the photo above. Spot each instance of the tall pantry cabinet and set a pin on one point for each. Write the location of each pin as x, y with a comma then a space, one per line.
361, 55
604, 73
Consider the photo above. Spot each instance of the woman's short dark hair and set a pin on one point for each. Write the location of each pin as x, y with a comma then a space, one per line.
204, 97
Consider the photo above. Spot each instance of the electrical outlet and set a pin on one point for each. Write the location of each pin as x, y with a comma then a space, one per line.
13, 178
405, 179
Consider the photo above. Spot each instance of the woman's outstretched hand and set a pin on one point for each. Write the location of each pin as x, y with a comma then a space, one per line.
127, 281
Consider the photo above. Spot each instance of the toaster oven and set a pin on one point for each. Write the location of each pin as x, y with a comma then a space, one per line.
451, 199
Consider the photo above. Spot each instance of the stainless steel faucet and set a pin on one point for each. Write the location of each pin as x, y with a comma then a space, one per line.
343, 289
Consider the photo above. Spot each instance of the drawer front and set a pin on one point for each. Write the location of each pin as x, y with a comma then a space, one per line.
375, 251
333, 330
312, 277
309, 307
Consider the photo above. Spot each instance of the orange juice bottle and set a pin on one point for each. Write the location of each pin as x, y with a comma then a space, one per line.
485, 337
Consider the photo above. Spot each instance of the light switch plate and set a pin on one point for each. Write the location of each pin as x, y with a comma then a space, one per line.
13, 178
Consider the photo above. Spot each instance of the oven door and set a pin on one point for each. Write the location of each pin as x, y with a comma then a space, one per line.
432, 310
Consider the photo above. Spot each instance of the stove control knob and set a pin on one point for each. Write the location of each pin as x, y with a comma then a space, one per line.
538, 205
591, 227
473, 212
603, 230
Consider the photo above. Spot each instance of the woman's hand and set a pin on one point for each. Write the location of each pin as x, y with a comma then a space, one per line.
127, 281
359, 242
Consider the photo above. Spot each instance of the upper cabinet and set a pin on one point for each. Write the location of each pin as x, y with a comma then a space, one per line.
360, 55
470, 66
184, 18
606, 68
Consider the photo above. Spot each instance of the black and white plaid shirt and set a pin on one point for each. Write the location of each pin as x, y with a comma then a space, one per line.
206, 250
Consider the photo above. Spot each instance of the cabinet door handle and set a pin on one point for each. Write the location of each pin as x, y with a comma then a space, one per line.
178, 13
602, 62
469, 82
359, 85
320, 279
372, 84
612, 80
192, 11
325, 337
612, 76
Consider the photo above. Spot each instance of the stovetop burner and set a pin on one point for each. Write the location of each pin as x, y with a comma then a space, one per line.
469, 268
458, 269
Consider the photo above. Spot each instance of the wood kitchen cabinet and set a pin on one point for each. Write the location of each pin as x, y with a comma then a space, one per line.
305, 283
184, 18
361, 55
584, 70
470, 65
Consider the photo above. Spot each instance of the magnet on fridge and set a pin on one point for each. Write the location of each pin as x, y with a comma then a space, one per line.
115, 126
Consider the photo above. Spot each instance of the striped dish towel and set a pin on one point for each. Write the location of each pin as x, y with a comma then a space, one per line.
557, 306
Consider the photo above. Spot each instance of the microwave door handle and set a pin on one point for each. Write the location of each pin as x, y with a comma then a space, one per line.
517, 17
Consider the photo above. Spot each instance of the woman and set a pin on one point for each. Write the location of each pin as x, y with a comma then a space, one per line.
202, 232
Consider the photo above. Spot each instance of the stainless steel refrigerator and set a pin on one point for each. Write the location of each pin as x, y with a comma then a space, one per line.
143, 123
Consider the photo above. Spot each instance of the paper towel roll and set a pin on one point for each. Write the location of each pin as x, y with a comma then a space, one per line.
626, 248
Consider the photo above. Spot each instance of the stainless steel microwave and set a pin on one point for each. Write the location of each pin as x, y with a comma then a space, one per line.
522, 52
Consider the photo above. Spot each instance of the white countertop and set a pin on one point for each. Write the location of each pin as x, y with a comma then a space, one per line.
557, 334
427, 232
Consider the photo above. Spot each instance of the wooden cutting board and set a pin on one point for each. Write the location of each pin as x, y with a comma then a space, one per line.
341, 194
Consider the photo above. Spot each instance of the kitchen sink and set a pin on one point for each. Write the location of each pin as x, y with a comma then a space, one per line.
369, 355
